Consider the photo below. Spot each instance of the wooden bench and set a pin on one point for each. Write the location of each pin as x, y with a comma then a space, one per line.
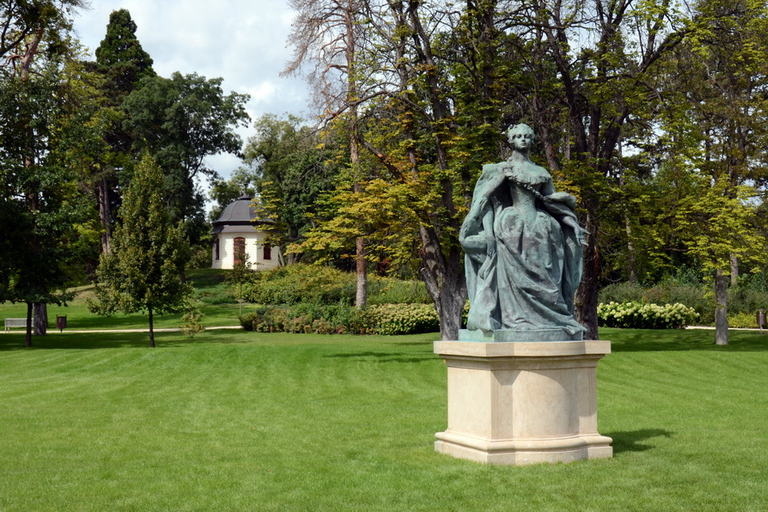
15, 322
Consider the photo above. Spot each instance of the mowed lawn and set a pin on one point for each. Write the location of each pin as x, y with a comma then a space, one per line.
238, 421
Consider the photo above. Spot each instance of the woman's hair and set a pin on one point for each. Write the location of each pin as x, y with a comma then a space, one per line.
522, 127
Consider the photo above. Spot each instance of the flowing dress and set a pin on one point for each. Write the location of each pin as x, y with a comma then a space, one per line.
523, 262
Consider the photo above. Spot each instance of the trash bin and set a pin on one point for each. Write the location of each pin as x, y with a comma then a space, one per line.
61, 322
761, 319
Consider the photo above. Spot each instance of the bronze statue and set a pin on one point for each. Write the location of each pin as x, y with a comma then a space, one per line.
523, 252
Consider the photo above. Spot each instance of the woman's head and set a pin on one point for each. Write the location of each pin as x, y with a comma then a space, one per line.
520, 136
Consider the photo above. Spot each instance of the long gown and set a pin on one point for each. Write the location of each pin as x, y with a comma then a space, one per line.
523, 263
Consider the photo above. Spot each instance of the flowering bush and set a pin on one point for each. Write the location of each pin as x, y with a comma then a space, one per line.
404, 318
636, 315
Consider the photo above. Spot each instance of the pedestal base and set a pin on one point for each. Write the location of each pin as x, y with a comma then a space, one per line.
522, 403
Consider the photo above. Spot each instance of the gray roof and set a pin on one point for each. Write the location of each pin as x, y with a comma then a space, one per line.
236, 217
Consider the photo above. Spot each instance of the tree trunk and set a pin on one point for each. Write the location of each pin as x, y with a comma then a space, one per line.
734, 270
41, 318
151, 327
721, 308
630, 252
361, 297
445, 283
28, 336
586, 293
104, 215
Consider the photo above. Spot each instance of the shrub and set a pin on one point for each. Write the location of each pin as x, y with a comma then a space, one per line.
636, 315
393, 319
300, 283
746, 298
191, 323
743, 321
308, 318
389, 319
386, 290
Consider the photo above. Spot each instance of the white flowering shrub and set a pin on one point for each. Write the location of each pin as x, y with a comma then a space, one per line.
393, 319
637, 315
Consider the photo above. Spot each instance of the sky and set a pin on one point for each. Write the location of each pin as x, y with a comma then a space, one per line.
241, 41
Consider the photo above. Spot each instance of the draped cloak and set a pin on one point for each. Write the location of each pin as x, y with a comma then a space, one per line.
522, 270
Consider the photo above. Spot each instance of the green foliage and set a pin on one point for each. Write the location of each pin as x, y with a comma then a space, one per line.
121, 59
302, 283
143, 271
181, 120
718, 224
191, 322
393, 319
222, 192
386, 319
743, 321
387, 290
295, 168
636, 315
308, 318
297, 283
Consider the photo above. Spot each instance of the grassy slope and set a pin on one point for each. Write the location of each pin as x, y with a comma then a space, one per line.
246, 421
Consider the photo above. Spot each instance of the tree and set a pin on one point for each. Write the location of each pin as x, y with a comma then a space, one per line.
121, 58
181, 120
331, 32
295, 168
24, 24
37, 192
720, 79
122, 63
723, 224
143, 271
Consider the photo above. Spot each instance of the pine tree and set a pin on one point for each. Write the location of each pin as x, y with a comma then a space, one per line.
143, 270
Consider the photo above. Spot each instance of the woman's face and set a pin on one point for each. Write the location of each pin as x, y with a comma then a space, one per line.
521, 139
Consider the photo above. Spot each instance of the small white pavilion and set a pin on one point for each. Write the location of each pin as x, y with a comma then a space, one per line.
235, 232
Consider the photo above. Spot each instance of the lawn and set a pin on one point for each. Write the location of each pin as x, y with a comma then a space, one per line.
218, 308
244, 421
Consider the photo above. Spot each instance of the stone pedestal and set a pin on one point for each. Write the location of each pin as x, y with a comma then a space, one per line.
522, 403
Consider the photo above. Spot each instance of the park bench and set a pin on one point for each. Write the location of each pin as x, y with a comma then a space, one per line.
15, 322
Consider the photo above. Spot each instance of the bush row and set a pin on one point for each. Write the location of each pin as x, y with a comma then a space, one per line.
294, 284
743, 300
636, 315
388, 319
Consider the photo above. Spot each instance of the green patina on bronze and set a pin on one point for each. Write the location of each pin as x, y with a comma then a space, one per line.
523, 252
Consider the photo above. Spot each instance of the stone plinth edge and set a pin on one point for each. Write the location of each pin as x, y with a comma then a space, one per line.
522, 349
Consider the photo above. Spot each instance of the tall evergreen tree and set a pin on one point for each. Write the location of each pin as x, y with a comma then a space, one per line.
121, 58
122, 63
143, 271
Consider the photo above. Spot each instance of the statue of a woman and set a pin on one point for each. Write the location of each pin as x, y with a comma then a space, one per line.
523, 252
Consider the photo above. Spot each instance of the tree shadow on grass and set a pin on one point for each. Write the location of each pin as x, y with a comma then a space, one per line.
387, 357
633, 441
656, 340
88, 341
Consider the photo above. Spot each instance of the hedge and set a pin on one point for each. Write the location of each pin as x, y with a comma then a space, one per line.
388, 319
